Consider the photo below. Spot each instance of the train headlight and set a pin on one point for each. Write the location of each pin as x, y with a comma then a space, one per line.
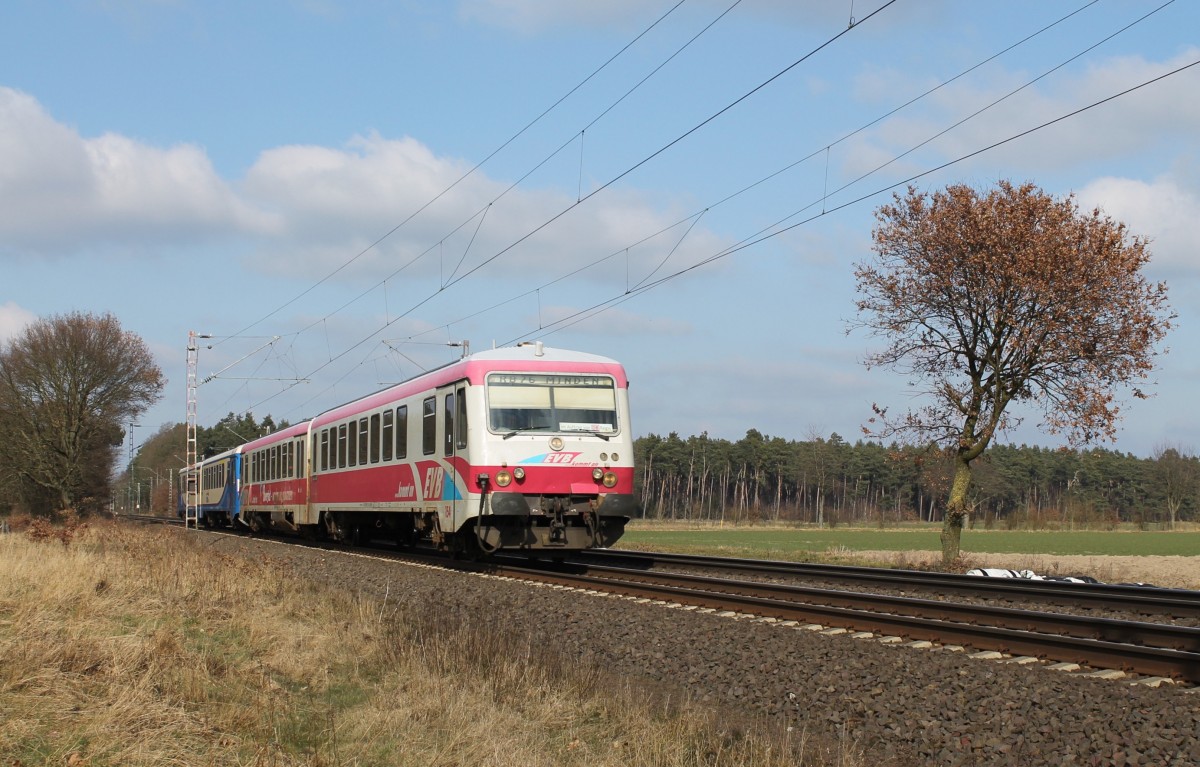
518, 473
503, 478
615, 457
597, 474
610, 479
556, 443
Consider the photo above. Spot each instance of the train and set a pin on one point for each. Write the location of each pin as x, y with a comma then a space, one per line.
520, 449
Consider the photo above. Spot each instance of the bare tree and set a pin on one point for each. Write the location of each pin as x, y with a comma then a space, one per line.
1009, 296
1179, 473
67, 385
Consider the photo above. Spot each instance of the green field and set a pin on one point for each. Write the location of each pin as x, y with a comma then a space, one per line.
775, 542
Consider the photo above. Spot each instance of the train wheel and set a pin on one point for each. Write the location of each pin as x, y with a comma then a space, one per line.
344, 529
406, 536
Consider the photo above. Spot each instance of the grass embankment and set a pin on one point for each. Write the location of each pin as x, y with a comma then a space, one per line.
774, 541
141, 647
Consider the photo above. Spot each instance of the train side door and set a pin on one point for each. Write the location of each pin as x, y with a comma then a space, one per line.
452, 412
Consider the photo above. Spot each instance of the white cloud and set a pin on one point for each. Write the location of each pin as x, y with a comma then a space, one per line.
308, 209
1162, 209
13, 320
61, 192
336, 203
1154, 116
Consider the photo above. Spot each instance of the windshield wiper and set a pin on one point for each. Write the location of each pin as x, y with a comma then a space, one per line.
515, 432
604, 437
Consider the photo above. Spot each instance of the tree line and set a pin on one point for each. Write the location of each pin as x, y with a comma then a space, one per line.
150, 483
829, 481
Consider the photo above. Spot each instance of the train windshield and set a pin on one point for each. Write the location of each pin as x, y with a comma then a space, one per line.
544, 402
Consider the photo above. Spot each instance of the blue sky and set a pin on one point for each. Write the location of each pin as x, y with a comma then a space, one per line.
368, 181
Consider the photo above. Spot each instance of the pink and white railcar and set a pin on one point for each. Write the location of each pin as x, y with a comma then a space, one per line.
526, 448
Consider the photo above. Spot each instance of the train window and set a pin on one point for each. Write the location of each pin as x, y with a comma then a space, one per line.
324, 449
273, 463
289, 466
551, 402
342, 446
352, 442
364, 441
301, 470
448, 438
428, 425
375, 438
460, 421
402, 431
387, 435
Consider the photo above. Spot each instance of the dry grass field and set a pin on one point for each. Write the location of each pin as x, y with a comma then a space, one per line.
132, 646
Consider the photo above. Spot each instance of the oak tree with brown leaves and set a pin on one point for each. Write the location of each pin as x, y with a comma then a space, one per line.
989, 298
68, 385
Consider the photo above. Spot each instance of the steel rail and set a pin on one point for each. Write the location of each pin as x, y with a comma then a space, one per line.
1113, 630
1147, 600
1042, 643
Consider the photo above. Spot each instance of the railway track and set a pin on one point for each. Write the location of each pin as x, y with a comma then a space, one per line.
1134, 599
1140, 647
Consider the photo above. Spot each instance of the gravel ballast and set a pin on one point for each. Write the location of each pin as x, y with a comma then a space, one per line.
897, 704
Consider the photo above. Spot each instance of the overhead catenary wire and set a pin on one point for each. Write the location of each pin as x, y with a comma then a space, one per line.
614, 300
467, 174
554, 153
673, 142
551, 327
825, 150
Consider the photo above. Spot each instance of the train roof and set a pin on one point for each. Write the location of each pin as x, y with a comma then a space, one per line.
294, 430
201, 462
475, 367
533, 352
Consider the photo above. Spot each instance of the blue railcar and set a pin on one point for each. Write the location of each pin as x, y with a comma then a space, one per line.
216, 483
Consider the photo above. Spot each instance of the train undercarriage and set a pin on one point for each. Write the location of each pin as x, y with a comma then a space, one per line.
538, 525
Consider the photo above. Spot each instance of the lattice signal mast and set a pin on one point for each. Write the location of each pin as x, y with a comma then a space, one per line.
191, 488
